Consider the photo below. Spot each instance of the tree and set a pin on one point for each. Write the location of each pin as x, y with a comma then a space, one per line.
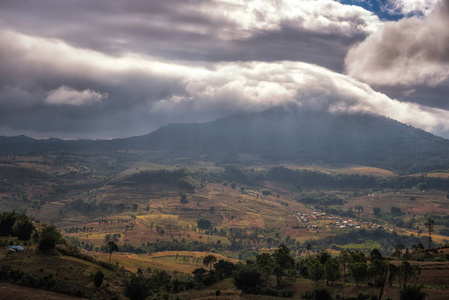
233, 185
136, 287
378, 271
160, 280
224, 268
199, 274
395, 211
111, 248
359, 271
359, 208
203, 223
266, 192
412, 292
315, 270
264, 261
344, 258
248, 278
23, 228
418, 247
429, 224
406, 272
392, 274
282, 257
398, 249
358, 256
308, 248
183, 199
331, 270
7, 220
209, 260
277, 270
50, 235
377, 211
375, 254
98, 278
323, 256
320, 292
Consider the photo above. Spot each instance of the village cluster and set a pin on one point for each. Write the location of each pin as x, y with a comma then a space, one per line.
335, 221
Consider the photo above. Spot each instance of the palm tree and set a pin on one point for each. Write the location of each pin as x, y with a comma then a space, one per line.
112, 247
429, 224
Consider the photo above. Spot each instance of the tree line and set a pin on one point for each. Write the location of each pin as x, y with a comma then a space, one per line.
185, 179
307, 178
271, 274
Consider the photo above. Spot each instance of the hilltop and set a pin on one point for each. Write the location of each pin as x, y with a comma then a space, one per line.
305, 137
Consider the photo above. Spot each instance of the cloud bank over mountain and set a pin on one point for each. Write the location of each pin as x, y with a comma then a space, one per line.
115, 69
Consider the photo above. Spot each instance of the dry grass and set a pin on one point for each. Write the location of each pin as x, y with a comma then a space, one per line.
181, 261
349, 169
434, 174
75, 272
364, 171
133, 167
11, 291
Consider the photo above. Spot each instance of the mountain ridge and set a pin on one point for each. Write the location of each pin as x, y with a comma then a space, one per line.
279, 134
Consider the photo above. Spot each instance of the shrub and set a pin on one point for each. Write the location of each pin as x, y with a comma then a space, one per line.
412, 292
204, 223
183, 184
98, 278
50, 235
321, 292
136, 287
249, 279
266, 192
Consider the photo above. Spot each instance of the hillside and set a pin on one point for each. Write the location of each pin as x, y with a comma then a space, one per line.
170, 214
276, 135
304, 137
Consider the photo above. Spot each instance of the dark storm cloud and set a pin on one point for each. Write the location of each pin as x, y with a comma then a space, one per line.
196, 30
327, 50
71, 67
56, 88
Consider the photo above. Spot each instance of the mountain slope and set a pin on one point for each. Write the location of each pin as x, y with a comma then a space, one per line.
280, 135
304, 136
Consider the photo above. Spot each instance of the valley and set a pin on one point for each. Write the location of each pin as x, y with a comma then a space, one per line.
169, 210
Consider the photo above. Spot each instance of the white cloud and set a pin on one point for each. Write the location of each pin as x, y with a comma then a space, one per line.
408, 52
318, 31
169, 89
68, 96
407, 7
247, 18
258, 86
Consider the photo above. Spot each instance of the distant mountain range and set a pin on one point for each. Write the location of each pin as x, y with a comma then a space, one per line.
278, 135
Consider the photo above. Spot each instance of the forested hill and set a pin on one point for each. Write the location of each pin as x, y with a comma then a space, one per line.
304, 136
281, 135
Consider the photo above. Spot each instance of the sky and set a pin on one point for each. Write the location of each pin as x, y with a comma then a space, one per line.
110, 68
